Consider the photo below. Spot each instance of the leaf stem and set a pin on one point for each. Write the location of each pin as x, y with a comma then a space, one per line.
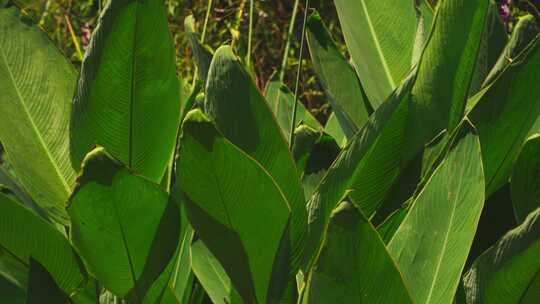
206, 17
296, 87
250, 34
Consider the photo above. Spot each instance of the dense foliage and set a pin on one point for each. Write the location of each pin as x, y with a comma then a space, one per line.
125, 180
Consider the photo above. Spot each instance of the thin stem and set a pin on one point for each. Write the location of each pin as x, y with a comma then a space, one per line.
288, 42
74, 38
250, 34
206, 17
293, 121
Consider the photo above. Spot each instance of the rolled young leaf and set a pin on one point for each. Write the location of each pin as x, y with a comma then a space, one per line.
242, 226
525, 185
508, 272
354, 264
431, 251
128, 98
123, 225
40, 241
201, 53
36, 85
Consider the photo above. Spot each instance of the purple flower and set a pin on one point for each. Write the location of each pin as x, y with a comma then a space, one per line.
504, 10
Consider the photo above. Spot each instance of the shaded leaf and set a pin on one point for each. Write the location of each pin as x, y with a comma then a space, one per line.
337, 78
201, 53
41, 286
242, 226
508, 271
525, 184
123, 226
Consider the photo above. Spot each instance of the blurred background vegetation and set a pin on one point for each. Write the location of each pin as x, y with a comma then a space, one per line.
70, 23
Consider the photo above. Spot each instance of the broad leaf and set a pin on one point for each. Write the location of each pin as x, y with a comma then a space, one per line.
380, 37
128, 98
431, 251
508, 271
242, 226
40, 241
37, 84
333, 128
337, 78
241, 113
281, 101
124, 226
525, 184
505, 112
353, 264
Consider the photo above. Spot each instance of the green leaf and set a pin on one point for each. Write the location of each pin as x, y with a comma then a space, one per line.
524, 32
505, 112
242, 115
313, 152
24, 235
333, 128
242, 226
445, 70
353, 264
380, 37
124, 226
337, 78
128, 98
212, 276
508, 272
201, 53
493, 42
12, 293
431, 251
281, 101
41, 286
37, 84
525, 186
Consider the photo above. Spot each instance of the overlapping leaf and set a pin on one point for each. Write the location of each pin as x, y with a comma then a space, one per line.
128, 96
242, 226
525, 184
123, 225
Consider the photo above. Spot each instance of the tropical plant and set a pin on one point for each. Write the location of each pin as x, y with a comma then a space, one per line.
115, 187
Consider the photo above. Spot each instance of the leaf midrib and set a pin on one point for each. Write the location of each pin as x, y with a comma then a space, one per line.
378, 46
34, 127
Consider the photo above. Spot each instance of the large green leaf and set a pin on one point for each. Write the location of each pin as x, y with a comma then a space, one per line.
241, 113
380, 37
505, 112
337, 77
525, 184
353, 265
508, 272
124, 226
24, 235
445, 70
128, 98
242, 226
333, 128
37, 84
281, 101
432, 243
